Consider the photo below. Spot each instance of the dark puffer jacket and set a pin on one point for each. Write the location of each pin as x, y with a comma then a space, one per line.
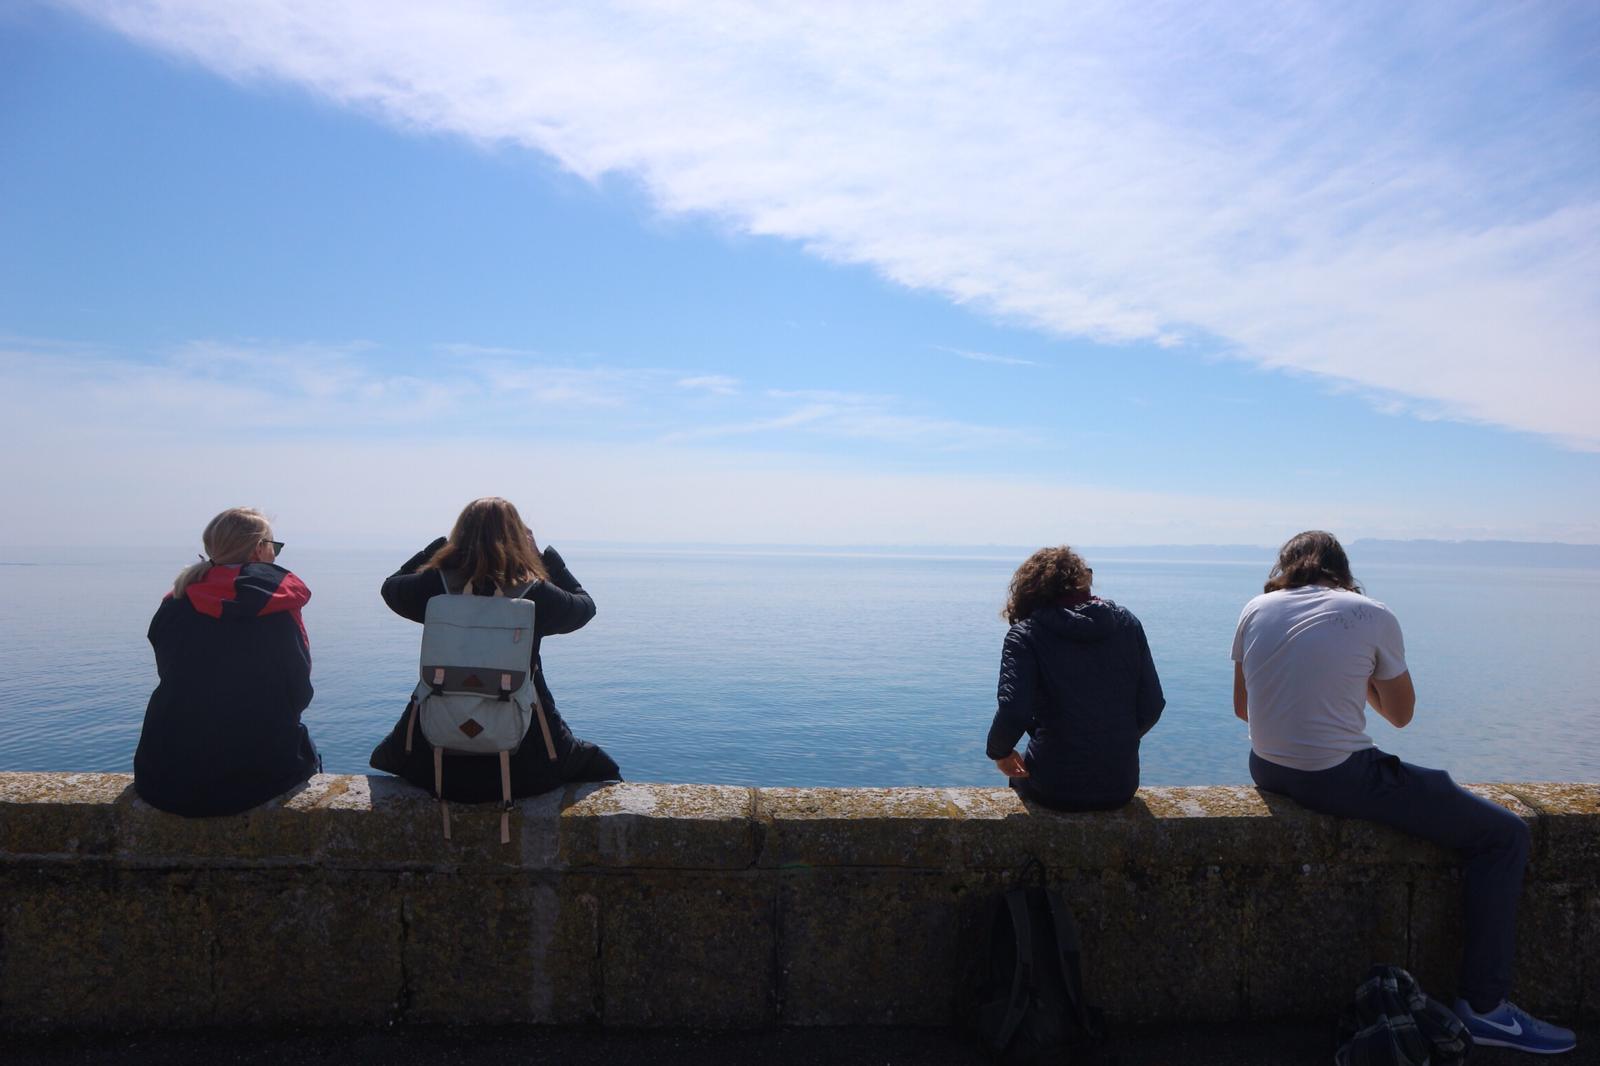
222, 732
560, 606
1081, 683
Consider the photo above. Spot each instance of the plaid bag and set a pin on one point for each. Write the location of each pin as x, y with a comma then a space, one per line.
1394, 1023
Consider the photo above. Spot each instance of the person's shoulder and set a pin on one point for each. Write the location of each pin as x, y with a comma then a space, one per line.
1021, 631
1264, 600
1117, 611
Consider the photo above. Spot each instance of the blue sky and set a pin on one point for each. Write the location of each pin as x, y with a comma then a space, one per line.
660, 272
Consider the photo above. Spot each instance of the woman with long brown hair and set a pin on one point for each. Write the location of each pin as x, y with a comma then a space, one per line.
491, 550
222, 732
1309, 655
1076, 676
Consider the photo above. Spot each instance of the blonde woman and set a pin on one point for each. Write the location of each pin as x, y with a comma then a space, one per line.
491, 548
222, 731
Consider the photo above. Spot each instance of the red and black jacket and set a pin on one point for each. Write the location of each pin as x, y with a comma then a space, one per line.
222, 732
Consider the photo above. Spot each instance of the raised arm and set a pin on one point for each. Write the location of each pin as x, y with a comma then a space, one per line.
1394, 698
560, 604
1019, 684
407, 592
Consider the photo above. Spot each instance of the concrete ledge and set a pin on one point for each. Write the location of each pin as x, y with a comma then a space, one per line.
709, 905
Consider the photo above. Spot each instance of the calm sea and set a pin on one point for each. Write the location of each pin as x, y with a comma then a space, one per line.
821, 669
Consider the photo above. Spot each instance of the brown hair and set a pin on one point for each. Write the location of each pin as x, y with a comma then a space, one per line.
229, 539
1049, 575
490, 544
1311, 558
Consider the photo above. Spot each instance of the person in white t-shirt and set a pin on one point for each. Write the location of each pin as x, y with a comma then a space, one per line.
1309, 655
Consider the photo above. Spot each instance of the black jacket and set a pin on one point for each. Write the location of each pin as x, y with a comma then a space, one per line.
222, 731
560, 606
1080, 682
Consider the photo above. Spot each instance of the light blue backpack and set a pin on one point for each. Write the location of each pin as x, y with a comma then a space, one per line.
476, 694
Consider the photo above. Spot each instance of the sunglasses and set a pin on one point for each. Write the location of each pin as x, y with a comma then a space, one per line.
277, 546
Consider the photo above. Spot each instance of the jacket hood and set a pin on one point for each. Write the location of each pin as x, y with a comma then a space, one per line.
247, 591
1085, 623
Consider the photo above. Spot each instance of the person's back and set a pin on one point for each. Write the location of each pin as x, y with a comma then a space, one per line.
222, 731
1307, 654
1075, 675
490, 536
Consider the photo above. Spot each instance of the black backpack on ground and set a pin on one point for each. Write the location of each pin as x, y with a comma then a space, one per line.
1394, 1023
1030, 1006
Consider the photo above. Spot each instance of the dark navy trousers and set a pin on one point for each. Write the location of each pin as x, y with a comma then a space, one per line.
1492, 843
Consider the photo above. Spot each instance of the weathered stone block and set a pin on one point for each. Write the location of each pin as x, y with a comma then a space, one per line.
150, 837
858, 827
377, 821
1233, 826
1000, 837
61, 814
687, 949
498, 949
1548, 983
1434, 933
866, 947
1588, 945
298, 949
1168, 948
689, 827
1311, 942
96, 948
1567, 838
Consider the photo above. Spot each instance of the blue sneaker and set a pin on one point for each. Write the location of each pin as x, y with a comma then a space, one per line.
1508, 1025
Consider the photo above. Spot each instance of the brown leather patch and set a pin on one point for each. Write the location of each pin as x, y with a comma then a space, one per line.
471, 728
471, 681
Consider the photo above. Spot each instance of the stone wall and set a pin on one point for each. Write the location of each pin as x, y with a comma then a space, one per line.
705, 905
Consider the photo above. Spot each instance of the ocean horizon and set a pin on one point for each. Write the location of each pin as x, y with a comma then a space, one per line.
837, 666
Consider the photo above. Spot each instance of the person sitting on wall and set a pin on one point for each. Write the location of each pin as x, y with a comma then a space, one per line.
222, 732
1308, 654
1075, 675
490, 548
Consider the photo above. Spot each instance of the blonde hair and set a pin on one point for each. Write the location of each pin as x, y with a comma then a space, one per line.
490, 543
229, 539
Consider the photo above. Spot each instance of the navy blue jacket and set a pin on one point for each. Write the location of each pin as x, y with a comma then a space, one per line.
222, 731
560, 606
1081, 683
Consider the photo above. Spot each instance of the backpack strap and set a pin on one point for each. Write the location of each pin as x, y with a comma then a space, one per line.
438, 788
411, 721
505, 795
1023, 985
544, 723
1070, 953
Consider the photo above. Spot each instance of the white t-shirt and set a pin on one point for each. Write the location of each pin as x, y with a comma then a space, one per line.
1307, 655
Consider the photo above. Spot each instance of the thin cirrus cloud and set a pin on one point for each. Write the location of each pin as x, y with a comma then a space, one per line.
261, 388
988, 357
1398, 198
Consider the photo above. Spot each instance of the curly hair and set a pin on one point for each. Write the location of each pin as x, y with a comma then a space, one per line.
1311, 558
1049, 575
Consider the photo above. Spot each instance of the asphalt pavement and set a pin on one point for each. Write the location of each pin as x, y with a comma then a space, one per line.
1222, 1044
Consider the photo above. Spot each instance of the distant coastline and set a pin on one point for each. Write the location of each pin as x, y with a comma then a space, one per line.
1367, 552
1543, 554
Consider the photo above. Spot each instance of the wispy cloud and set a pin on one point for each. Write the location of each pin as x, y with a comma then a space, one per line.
852, 416
715, 384
209, 388
988, 357
1401, 196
